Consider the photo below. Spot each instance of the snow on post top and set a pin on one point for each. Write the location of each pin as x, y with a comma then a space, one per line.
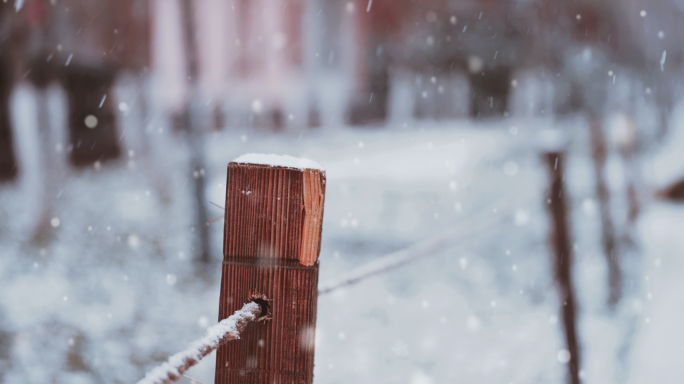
279, 161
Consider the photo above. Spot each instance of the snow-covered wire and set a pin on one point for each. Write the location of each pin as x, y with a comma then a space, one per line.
227, 330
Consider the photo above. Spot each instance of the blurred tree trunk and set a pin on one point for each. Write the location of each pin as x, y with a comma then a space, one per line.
629, 245
489, 93
42, 73
50, 174
627, 148
8, 160
608, 238
311, 41
369, 103
87, 87
563, 260
194, 136
377, 26
8, 157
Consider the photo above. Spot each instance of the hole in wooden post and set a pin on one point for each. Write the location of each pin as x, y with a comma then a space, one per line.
264, 304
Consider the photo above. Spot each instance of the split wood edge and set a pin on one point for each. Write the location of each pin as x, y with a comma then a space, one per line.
257, 310
314, 198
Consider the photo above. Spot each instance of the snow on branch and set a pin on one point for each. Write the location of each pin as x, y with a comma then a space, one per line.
227, 330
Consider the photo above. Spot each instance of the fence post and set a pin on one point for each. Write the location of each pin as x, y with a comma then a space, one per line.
563, 263
273, 222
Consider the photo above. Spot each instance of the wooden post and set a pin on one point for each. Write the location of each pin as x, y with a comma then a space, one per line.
563, 263
272, 239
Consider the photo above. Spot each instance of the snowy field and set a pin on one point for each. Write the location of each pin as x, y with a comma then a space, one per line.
112, 290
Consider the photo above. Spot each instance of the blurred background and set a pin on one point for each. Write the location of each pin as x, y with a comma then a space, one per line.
544, 137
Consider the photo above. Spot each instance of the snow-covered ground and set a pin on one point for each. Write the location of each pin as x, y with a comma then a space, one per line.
112, 291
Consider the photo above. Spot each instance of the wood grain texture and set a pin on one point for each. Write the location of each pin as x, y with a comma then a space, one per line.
314, 197
271, 245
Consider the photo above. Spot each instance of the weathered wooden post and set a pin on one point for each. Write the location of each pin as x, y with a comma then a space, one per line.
273, 223
560, 238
